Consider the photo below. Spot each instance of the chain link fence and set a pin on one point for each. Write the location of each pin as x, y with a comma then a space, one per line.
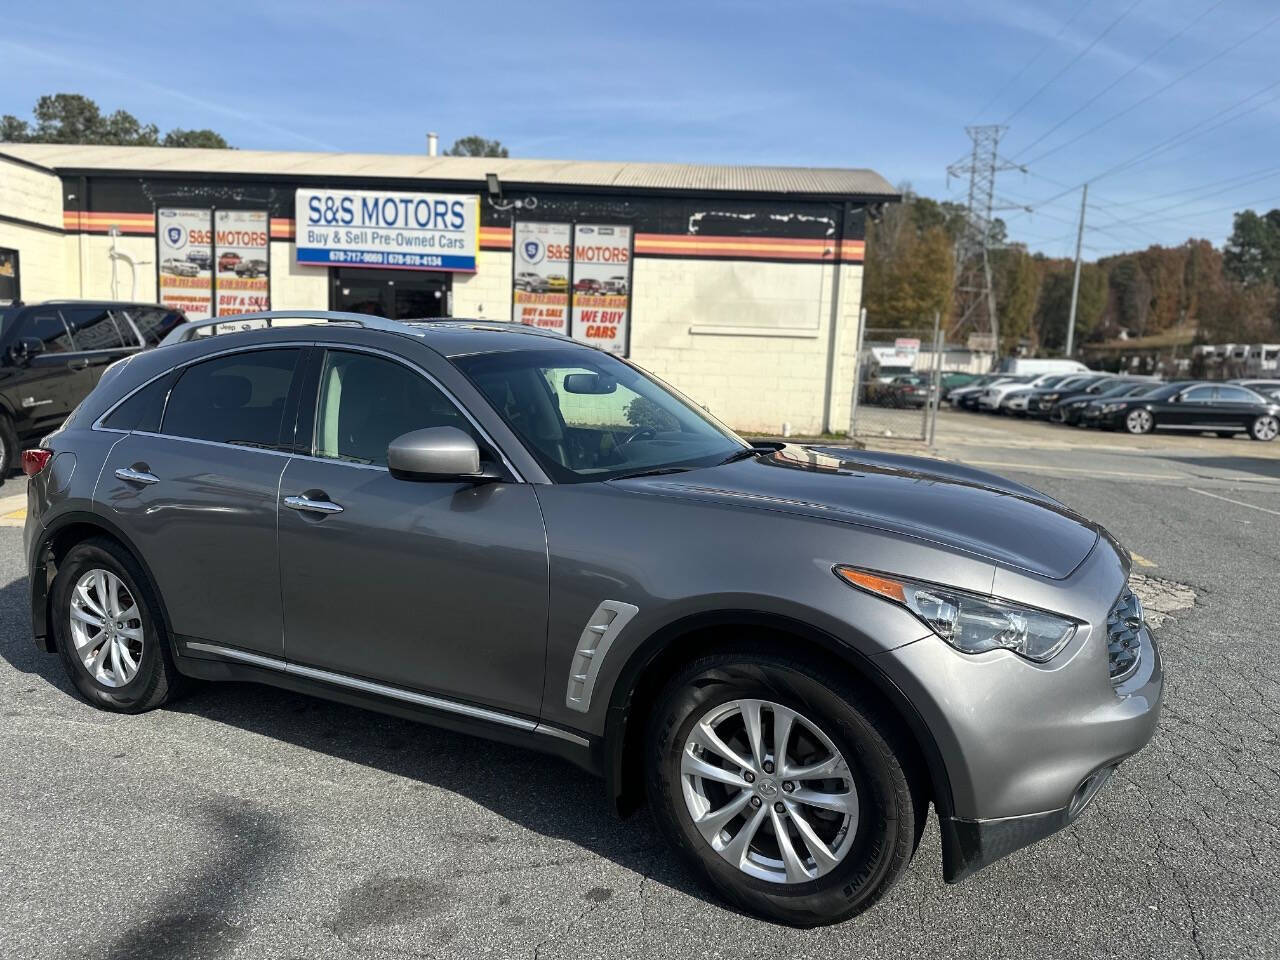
895, 391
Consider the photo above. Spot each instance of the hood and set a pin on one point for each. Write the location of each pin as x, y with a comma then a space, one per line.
956, 507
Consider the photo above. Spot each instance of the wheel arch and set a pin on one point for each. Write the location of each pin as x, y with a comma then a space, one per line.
63, 533
642, 676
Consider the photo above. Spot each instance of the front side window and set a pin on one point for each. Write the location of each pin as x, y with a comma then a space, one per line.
238, 398
365, 402
1199, 395
49, 329
586, 416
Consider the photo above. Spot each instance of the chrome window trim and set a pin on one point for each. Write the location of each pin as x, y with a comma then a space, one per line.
385, 690
448, 395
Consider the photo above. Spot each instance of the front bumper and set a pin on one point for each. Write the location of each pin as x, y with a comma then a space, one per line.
1026, 746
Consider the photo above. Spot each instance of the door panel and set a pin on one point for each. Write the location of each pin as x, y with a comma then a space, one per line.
207, 528
46, 388
439, 587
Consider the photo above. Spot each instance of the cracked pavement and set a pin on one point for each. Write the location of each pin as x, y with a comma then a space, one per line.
251, 822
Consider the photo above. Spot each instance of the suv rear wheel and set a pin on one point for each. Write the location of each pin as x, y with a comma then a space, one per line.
790, 794
109, 631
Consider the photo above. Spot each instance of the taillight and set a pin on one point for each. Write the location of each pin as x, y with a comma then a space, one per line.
33, 461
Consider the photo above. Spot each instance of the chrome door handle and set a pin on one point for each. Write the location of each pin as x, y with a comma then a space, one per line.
137, 476
314, 506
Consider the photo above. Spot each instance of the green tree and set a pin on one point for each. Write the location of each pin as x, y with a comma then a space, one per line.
476, 146
909, 270
1017, 291
1055, 304
1252, 254
206, 139
74, 118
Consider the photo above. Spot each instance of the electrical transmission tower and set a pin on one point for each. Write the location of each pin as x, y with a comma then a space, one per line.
974, 294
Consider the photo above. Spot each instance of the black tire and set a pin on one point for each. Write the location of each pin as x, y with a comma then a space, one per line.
892, 808
8, 447
157, 680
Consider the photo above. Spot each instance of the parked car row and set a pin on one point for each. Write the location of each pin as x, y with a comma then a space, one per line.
1134, 404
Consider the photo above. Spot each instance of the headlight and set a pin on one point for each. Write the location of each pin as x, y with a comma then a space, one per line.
1050, 398
1112, 407
971, 623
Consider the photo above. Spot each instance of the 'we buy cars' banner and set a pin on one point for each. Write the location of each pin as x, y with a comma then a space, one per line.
540, 275
602, 286
242, 261
184, 259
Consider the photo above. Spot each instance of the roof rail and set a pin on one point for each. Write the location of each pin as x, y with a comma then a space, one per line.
191, 329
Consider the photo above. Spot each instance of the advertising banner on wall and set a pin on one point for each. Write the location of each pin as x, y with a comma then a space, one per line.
602, 286
184, 261
381, 228
242, 262
540, 275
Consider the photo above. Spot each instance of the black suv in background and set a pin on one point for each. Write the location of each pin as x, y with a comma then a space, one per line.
52, 354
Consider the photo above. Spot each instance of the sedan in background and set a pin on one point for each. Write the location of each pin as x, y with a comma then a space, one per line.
1069, 409
992, 399
1041, 401
1222, 408
1268, 388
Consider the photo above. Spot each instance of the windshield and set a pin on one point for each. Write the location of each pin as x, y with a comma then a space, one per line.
586, 415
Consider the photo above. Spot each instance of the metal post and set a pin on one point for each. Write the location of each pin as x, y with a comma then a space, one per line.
935, 381
857, 371
1075, 284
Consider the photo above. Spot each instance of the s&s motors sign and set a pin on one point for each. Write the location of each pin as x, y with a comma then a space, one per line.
377, 228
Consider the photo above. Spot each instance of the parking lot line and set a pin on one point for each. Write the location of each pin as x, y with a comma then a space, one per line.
1087, 470
1241, 503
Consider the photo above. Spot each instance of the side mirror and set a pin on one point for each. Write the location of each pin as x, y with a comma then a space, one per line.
435, 453
25, 348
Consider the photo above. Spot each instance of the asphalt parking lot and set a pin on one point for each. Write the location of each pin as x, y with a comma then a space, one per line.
250, 822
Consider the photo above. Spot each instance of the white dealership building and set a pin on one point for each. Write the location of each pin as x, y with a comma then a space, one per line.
739, 285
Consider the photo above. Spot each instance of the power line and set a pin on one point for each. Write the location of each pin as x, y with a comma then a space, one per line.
1030, 63
1118, 80
1155, 93
1073, 61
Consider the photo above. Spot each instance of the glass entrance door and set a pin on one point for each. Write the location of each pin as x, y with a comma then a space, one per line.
395, 294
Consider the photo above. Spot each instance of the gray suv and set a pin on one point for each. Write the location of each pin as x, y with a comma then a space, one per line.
788, 651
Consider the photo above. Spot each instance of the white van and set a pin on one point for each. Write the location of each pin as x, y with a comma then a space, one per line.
1021, 366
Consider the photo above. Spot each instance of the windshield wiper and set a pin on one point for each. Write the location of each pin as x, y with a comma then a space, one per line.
653, 472
742, 455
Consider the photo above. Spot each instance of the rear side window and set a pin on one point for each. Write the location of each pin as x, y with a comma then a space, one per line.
95, 328
239, 398
154, 322
1237, 395
143, 410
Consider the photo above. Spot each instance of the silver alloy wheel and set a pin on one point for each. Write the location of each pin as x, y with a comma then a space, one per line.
106, 628
1266, 428
1139, 421
769, 791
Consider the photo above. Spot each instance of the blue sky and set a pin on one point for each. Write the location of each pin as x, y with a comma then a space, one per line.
887, 84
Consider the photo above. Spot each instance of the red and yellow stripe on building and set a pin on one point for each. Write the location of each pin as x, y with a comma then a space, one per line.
691, 246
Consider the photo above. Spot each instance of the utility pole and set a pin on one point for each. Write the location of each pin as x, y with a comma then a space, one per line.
1075, 284
974, 292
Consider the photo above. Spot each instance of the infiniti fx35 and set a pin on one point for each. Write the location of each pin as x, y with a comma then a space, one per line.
789, 652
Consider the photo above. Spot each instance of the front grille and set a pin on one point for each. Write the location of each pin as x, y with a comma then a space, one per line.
1124, 636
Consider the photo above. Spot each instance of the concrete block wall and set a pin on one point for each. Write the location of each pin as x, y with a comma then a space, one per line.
748, 340
293, 286
485, 294
34, 196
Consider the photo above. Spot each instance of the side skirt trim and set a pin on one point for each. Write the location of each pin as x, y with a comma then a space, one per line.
384, 690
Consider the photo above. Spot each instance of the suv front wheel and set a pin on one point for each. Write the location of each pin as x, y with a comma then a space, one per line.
790, 794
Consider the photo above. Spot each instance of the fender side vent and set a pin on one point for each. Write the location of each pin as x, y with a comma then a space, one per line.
598, 635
